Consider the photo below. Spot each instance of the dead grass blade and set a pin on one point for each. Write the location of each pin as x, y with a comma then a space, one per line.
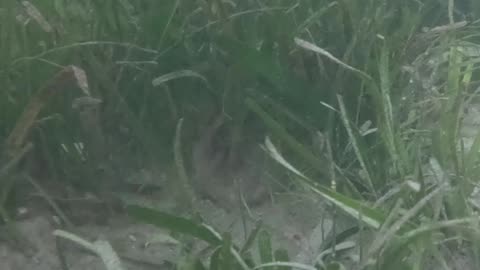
60, 81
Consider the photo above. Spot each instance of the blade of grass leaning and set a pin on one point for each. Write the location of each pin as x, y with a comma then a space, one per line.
453, 107
281, 133
175, 6
456, 202
184, 226
36, 103
251, 237
388, 234
338, 238
185, 194
265, 247
35, 14
436, 226
372, 217
101, 248
355, 144
393, 214
174, 223
81, 44
388, 132
347, 245
182, 74
314, 48
177, 75
401, 246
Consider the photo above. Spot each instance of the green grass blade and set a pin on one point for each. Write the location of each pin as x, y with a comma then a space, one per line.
372, 217
265, 247
185, 191
174, 223
282, 134
359, 151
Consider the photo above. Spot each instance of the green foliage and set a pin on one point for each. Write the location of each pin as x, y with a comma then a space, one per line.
384, 85
226, 254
